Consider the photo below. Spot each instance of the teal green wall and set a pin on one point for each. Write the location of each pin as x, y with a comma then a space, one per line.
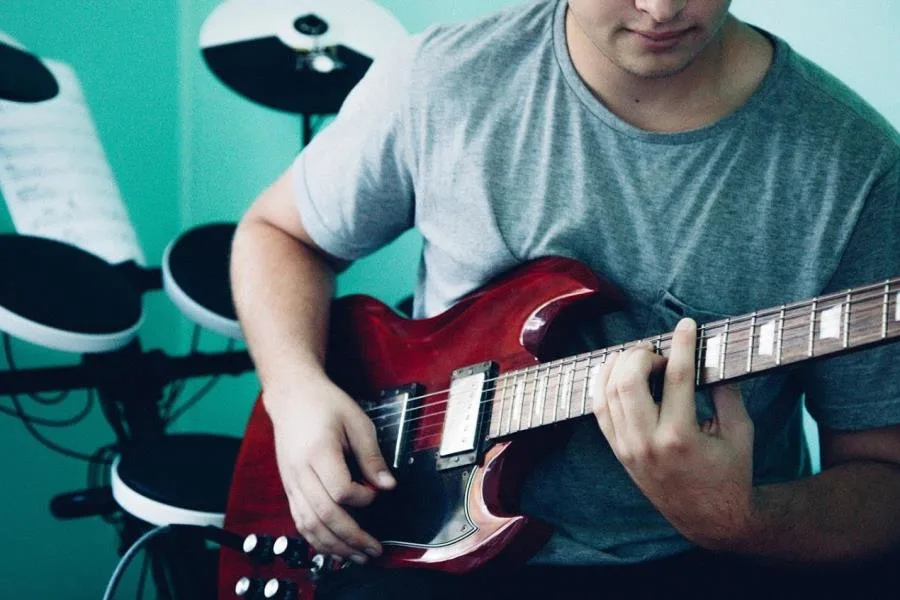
187, 151
125, 54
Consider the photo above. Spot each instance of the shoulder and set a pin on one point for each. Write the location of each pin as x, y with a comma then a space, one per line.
460, 56
831, 107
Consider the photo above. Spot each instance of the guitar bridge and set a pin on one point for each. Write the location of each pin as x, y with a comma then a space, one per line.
464, 418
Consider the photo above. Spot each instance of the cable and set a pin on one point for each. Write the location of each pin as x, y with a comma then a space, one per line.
44, 441
128, 556
98, 472
49, 401
36, 396
142, 578
73, 420
211, 533
177, 387
174, 415
194, 399
29, 426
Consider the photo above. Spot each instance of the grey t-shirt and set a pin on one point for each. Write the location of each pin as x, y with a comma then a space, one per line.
483, 136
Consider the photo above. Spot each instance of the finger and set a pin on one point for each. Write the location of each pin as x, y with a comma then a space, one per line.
678, 408
600, 404
313, 530
363, 442
731, 414
334, 517
334, 474
612, 396
631, 377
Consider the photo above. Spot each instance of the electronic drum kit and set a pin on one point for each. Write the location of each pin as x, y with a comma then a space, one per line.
298, 56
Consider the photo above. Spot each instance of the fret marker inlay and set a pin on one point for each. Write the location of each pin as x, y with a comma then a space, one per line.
767, 339
713, 352
831, 323
592, 378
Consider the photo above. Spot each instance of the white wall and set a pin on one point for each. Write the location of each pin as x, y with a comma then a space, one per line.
856, 40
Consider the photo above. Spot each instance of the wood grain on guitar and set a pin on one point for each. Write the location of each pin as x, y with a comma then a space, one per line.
464, 408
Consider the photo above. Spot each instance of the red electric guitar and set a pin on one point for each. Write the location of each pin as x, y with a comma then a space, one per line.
462, 405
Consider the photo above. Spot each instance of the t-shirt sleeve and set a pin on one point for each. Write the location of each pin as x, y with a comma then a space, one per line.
861, 390
353, 183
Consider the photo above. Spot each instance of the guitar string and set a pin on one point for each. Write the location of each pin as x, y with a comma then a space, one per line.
548, 382
662, 342
547, 367
530, 417
667, 337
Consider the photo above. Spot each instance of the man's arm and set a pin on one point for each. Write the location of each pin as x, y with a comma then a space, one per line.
282, 289
282, 285
700, 476
848, 511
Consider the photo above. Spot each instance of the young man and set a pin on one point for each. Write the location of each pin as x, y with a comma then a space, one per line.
695, 161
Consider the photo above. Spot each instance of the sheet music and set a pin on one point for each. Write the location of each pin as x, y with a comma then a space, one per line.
55, 176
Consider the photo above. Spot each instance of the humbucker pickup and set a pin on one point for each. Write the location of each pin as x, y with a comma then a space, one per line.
471, 388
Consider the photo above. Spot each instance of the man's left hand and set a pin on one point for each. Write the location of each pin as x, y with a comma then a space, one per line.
698, 475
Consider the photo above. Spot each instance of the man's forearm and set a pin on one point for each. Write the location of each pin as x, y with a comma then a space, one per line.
282, 292
846, 513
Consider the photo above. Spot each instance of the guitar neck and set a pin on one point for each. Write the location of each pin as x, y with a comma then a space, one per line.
727, 350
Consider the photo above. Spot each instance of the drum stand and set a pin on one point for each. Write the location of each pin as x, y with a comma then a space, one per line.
153, 473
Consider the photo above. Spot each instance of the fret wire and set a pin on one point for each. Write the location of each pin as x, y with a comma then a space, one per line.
559, 385
570, 383
700, 355
518, 399
530, 412
780, 341
724, 349
750, 342
542, 397
515, 402
584, 389
884, 315
847, 322
556, 396
502, 404
812, 327
512, 387
518, 396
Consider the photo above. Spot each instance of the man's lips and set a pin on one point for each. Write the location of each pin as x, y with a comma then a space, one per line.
661, 36
660, 41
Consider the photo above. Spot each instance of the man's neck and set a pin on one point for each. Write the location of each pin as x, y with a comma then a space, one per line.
717, 82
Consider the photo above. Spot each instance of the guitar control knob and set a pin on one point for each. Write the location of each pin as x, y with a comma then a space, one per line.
248, 588
294, 552
258, 548
280, 589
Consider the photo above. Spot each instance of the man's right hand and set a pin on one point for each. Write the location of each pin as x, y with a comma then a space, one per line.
316, 431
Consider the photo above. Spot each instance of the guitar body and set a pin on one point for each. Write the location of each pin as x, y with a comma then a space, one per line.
453, 519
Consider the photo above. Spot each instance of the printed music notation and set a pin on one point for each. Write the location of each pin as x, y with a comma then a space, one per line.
55, 177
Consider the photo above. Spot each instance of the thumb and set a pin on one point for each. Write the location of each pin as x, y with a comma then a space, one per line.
363, 444
731, 414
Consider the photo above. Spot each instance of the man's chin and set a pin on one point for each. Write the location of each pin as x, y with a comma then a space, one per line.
656, 69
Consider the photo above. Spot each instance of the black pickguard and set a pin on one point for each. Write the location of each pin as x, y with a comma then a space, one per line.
427, 508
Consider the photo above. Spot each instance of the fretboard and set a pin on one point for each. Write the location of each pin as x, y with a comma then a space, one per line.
727, 350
